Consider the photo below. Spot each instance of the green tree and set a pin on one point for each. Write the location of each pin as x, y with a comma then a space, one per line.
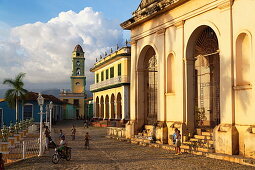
16, 92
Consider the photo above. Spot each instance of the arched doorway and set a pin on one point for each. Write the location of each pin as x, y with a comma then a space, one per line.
113, 116
107, 107
97, 107
203, 75
102, 107
148, 86
119, 106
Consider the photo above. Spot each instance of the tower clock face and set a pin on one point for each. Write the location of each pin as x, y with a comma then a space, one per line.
78, 63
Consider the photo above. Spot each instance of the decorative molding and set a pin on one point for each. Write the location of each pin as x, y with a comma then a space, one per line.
133, 42
179, 24
225, 5
161, 31
243, 87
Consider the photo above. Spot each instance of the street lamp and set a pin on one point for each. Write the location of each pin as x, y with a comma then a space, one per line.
50, 107
40, 101
46, 114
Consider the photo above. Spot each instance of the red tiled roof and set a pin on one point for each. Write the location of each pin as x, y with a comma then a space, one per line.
34, 96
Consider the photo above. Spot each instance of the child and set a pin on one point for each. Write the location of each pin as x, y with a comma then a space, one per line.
73, 133
60, 134
178, 142
87, 138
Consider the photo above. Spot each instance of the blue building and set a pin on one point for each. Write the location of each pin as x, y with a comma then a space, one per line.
29, 108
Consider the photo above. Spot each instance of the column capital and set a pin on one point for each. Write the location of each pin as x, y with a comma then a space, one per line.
133, 42
225, 5
161, 31
179, 24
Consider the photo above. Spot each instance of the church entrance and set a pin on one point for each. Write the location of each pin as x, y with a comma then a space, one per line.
204, 67
147, 86
151, 87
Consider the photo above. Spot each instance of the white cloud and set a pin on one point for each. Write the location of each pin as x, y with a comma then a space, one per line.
43, 50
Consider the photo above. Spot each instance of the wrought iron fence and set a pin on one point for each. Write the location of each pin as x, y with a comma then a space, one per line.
25, 149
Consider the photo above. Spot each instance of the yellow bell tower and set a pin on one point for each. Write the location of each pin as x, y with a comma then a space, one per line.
77, 95
78, 79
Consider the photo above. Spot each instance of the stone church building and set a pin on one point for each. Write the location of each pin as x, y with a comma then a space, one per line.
191, 69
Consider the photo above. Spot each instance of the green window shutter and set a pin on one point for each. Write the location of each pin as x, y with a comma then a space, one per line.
111, 72
97, 78
102, 76
119, 69
107, 74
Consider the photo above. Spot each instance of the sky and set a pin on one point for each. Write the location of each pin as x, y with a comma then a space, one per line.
37, 37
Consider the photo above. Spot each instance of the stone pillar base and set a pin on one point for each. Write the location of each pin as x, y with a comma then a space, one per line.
17, 138
11, 141
226, 139
130, 129
246, 141
162, 132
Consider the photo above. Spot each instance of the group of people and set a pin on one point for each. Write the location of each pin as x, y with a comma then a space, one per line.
62, 138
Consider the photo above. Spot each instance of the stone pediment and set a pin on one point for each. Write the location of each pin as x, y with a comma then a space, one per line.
148, 9
145, 3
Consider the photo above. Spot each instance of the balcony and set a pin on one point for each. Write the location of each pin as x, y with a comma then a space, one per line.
110, 82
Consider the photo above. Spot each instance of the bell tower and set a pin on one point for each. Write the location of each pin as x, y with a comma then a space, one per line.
78, 79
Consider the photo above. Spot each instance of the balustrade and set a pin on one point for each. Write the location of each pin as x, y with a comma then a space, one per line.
110, 82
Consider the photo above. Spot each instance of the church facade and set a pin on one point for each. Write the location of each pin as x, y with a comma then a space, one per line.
191, 69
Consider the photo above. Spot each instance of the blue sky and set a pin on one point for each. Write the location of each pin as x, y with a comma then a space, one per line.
40, 35
19, 12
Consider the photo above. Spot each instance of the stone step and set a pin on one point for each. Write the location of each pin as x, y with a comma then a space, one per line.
194, 140
202, 137
200, 149
207, 134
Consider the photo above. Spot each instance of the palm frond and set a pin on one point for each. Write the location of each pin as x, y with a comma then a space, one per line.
9, 82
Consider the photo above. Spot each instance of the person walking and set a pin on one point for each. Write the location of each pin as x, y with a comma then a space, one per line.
87, 138
73, 133
47, 135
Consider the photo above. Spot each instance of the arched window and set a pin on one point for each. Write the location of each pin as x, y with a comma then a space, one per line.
151, 85
102, 107
113, 116
107, 106
243, 54
119, 106
170, 73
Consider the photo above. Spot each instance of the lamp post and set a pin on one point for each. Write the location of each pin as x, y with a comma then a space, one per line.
50, 107
46, 115
40, 101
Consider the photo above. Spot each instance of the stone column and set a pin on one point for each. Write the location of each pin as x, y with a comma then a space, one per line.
161, 74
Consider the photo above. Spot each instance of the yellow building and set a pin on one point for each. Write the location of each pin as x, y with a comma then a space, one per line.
78, 82
194, 59
111, 88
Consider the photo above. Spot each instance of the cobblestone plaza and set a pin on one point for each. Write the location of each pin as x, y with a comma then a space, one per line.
111, 154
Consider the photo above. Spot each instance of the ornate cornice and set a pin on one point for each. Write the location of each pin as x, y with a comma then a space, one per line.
148, 9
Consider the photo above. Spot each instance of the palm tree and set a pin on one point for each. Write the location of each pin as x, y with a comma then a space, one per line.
16, 92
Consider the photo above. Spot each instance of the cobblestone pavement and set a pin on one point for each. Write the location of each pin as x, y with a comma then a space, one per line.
109, 154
